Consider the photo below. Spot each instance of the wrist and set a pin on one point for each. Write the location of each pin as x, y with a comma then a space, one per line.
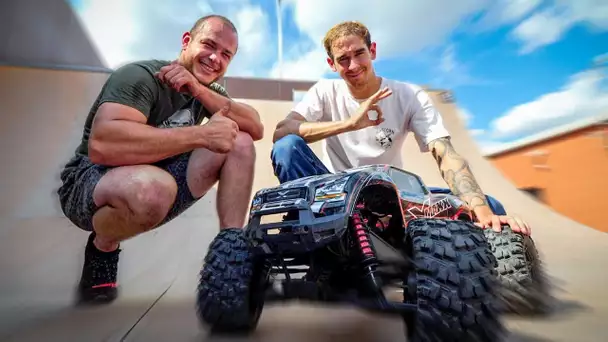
482, 210
348, 125
201, 139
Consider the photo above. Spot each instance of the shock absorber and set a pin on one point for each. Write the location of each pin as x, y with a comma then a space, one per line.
369, 262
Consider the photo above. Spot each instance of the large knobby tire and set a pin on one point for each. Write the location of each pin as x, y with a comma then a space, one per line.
452, 283
524, 286
229, 298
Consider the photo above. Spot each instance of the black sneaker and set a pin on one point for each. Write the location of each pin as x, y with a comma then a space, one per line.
98, 282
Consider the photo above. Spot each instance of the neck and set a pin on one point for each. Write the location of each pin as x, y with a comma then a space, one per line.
369, 88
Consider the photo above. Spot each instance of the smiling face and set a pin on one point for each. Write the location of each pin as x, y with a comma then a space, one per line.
350, 52
352, 60
209, 49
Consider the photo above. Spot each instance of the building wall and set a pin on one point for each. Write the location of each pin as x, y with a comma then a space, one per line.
570, 171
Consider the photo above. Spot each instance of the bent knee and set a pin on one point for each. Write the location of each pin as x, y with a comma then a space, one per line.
244, 145
285, 146
147, 194
153, 199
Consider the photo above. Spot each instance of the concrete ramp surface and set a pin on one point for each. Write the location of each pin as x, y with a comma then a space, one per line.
41, 252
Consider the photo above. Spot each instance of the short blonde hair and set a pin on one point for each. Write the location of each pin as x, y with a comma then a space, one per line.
344, 29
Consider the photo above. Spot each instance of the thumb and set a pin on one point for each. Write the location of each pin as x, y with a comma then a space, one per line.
223, 111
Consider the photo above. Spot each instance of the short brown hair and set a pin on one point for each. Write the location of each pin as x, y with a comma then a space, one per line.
201, 23
344, 29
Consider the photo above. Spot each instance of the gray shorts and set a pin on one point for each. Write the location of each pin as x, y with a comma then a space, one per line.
81, 176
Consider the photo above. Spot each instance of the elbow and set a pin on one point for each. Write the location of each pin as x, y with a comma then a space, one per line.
97, 151
279, 132
283, 128
257, 133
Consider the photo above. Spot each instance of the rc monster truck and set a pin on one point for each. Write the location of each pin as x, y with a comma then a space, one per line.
350, 237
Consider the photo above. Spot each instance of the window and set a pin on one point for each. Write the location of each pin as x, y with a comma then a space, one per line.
407, 182
539, 158
535, 192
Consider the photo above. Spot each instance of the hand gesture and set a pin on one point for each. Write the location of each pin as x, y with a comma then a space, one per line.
221, 132
365, 116
179, 78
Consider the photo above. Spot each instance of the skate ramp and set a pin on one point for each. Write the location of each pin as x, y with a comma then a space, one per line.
41, 252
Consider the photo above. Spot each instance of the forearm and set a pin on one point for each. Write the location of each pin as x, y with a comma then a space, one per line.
457, 174
121, 142
311, 131
246, 117
460, 179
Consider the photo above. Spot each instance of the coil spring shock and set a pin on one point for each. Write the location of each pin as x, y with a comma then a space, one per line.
369, 261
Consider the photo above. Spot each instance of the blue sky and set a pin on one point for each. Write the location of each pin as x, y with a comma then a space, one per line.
509, 63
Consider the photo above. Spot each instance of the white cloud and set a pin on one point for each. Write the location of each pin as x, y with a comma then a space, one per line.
475, 132
484, 141
513, 10
541, 29
133, 29
399, 27
550, 24
465, 115
127, 30
110, 40
451, 72
503, 12
586, 94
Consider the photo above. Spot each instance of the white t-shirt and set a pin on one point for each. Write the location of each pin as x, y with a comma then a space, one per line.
408, 109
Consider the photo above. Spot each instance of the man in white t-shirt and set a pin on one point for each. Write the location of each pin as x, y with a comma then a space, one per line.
364, 119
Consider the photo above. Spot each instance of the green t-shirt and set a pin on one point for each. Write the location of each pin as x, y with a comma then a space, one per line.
135, 85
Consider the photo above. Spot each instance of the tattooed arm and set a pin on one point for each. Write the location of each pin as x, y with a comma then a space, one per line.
456, 172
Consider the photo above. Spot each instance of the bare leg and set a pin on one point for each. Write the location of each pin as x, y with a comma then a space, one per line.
235, 171
133, 200
236, 182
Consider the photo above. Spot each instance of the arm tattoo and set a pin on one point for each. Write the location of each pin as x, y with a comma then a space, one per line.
457, 174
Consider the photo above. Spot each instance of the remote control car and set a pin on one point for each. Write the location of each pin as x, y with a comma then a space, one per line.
360, 237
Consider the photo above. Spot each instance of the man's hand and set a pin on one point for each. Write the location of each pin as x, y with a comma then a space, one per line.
361, 119
457, 174
179, 78
221, 132
487, 219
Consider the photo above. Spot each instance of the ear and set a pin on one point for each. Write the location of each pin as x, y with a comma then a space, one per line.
331, 64
372, 50
186, 39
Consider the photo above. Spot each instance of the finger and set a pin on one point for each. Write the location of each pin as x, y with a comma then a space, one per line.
176, 82
174, 74
385, 95
380, 118
528, 228
379, 111
496, 224
164, 70
523, 226
513, 224
379, 93
223, 111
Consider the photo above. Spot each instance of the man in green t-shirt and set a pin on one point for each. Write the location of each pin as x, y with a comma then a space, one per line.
145, 156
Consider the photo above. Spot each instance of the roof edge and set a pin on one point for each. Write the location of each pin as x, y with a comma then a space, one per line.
549, 134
